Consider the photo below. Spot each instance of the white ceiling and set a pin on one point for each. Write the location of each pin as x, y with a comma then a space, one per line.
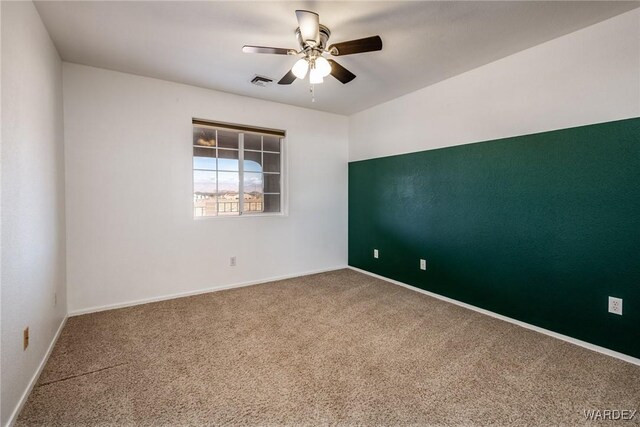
199, 43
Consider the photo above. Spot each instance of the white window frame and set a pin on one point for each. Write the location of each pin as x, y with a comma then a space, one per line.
242, 129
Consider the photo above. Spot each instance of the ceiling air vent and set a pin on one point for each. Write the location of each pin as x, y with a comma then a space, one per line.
261, 81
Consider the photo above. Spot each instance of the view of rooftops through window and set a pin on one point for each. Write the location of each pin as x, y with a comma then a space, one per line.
235, 172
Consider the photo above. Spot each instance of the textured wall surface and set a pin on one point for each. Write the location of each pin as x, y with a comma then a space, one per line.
131, 234
541, 228
33, 215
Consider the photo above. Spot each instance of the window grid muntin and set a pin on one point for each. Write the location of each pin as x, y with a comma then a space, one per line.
240, 172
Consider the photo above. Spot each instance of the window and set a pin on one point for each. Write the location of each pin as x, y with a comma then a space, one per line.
237, 170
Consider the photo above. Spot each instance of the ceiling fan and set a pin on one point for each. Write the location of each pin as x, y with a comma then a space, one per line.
312, 38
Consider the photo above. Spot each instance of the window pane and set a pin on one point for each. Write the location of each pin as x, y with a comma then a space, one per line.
271, 143
204, 206
227, 139
252, 161
204, 136
204, 182
204, 158
219, 177
204, 193
228, 182
271, 203
228, 160
253, 203
228, 193
252, 141
227, 154
271, 183
271, 162
253, 197
253, 182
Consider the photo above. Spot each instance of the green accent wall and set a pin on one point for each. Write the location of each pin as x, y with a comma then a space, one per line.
541, 228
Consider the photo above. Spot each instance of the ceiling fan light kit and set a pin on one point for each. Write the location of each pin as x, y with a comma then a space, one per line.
315, 77
319, 66
312, 38
323, 66
300, 68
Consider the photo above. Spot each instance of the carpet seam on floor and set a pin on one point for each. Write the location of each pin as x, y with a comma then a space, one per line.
81, 375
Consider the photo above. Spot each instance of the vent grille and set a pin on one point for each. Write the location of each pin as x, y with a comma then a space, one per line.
261, 81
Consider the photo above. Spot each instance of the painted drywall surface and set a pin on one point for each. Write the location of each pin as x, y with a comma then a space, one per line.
589, 76
131, 232
539, 228
33, 220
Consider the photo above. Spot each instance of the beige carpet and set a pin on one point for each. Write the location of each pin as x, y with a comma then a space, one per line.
334, 348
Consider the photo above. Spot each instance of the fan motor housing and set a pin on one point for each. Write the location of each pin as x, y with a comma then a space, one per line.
325, 33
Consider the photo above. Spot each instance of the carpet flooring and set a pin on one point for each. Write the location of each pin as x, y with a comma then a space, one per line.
338, 348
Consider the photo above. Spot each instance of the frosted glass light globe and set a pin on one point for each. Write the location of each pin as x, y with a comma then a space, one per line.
300, 68
315, 76
323, 66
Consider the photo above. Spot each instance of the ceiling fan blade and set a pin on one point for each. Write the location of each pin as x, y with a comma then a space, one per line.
341, 73
264, 49
367, 44
309, 23
288, 78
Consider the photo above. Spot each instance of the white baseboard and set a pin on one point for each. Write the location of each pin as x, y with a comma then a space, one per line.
34, 379
197, 292
587, 345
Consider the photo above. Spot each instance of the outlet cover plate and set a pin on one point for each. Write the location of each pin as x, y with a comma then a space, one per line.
25, 338
423, 264
375, 253
615, 305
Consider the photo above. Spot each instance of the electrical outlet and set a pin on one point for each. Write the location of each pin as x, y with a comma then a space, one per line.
615, 305
375, 253
232, 261
25, 338
423, 264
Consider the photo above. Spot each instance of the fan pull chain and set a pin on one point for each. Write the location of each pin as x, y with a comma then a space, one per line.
312, 89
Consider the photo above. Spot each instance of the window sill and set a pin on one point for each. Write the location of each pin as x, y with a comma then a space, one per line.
256, 215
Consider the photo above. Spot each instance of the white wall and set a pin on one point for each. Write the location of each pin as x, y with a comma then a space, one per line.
131, 233
33, 222
590, 76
